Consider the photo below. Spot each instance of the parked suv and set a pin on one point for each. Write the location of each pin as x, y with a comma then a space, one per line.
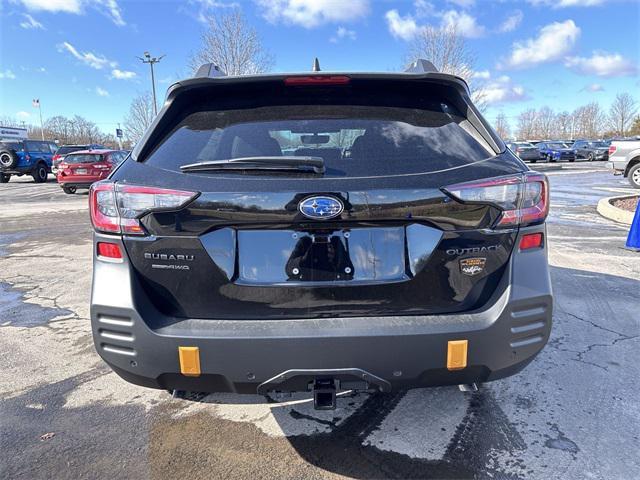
81, 169
26, 157
222, 264
556, 151
65, 150
591, 149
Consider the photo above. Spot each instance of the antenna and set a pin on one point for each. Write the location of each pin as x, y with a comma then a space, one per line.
316, 65
210, 70
421, 66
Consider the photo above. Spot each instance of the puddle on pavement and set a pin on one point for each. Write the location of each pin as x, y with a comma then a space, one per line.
15, 312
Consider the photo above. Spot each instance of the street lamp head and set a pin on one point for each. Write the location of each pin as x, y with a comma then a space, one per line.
147, 54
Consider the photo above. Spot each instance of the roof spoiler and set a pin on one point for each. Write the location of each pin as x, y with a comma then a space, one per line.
210, 70
421, 66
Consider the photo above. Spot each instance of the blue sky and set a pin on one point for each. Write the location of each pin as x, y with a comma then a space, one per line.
79, 56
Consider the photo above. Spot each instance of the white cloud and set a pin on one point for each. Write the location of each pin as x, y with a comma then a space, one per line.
553, 43
343, 33
512, 22
30, 23
566, 3
102, 92
594, 87
463, 23
122, 74
503, 90
482, 74
312, 13
110, 8
22, 115
463, 3
8, 74
401, 27
88, 58
602, 64
406, 27
68, 6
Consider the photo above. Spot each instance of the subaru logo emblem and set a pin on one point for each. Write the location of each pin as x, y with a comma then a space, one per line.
321, 207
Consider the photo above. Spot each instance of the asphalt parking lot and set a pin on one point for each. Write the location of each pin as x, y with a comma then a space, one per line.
573, 413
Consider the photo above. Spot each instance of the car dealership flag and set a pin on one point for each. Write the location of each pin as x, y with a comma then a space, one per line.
36, 102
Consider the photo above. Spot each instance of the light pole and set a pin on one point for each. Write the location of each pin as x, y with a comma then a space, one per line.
151, 61
36, 104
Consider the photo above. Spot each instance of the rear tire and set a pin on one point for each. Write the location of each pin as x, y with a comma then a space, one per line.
572, 159
634, 176
69, 190
533, 161
5, 177
8, 159
40, 173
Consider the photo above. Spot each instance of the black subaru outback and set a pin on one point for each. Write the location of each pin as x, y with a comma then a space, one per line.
320, 232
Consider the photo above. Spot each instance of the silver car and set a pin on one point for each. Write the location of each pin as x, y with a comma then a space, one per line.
526, 151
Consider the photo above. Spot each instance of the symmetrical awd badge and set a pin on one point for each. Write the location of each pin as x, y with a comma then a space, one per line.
321, 207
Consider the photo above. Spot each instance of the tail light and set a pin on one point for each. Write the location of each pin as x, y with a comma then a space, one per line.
102, 166
523, 199
118, 208
612, 149
519, 149
317, 80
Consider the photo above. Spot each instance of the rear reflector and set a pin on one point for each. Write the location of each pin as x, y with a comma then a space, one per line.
317, 80
523, 199
457, 354
118, 208
531, 240
109, 250
189, 361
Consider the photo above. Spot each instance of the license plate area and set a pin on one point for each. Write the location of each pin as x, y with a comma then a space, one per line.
80, 171
360, 255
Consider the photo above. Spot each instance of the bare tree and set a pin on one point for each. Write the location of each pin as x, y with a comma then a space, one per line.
233, 45
139, 117
449, 53
564, 125
588, 121
527, 124
621, 113
501, 126
545, 123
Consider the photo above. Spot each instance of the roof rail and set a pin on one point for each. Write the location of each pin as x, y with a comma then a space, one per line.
421, 66
210, 70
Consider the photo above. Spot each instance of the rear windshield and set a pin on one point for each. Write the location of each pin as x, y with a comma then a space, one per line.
392, 133
65, 150
525, 145
83, 158
557, 145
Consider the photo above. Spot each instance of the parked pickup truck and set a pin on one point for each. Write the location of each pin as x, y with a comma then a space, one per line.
624, 158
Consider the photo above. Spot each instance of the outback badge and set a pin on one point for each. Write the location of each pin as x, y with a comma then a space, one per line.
472, 266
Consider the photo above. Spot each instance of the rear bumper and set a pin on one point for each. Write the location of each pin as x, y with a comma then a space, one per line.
75, 184
388, 352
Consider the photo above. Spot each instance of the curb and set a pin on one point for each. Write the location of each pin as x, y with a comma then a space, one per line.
613, 213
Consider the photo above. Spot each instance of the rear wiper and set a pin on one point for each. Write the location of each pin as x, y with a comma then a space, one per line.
302, 163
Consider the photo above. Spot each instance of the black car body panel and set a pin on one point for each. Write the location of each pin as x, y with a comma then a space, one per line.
250, 270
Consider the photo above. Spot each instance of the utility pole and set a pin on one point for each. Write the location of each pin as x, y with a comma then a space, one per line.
36, 103
151, 61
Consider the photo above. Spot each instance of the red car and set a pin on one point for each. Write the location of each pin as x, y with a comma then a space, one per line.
80, 169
